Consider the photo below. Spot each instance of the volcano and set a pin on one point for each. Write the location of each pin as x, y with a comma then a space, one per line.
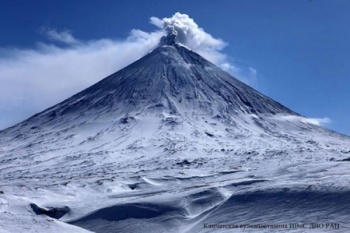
171, 143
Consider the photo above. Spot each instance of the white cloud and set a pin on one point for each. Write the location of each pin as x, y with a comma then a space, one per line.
253, 72
314, 121
63, 36
319, 121
246, 74
34, 79
251, 78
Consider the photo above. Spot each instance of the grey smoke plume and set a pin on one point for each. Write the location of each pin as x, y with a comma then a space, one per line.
191, 35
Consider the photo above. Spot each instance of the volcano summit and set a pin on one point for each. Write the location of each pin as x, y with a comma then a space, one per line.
171, 143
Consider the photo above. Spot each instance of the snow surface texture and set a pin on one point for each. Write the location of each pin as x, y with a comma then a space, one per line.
171, 143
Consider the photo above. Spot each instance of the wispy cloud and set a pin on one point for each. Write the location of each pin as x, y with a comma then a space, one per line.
319, 121
34, 79
62, 36
314, 121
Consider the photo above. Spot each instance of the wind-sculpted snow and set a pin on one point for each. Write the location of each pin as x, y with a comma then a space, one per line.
214, 212
171, 143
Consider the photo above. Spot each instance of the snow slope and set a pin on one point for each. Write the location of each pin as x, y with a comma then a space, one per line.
171, 143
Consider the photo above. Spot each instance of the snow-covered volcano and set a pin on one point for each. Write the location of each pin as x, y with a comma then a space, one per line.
170, 143
171, 79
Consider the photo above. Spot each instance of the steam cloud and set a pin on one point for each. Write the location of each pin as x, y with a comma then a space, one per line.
194, 37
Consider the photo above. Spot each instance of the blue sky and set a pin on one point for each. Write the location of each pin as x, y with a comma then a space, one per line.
294, 51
